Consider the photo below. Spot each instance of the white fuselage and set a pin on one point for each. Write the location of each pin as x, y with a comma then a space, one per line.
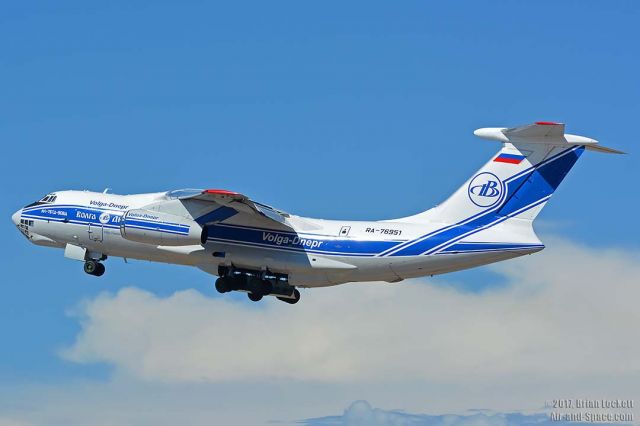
316, 253
265, 251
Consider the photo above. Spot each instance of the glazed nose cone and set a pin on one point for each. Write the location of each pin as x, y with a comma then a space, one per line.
16, 217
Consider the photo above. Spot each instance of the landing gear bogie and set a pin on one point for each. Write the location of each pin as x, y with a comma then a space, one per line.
257, 284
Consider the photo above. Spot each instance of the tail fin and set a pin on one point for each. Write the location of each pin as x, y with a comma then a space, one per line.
519, 180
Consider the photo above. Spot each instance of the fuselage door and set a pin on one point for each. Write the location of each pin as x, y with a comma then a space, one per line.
95, 231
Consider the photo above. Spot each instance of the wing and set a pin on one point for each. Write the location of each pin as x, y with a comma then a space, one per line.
225, 204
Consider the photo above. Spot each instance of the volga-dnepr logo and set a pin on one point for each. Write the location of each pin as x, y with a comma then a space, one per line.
485, 189
104, 217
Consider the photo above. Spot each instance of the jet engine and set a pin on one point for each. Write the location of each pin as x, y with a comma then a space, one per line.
162, 229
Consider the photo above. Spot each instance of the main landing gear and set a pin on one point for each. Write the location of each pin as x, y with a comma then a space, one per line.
257, 284
93, 267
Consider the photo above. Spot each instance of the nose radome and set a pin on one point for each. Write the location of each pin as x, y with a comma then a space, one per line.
16, 217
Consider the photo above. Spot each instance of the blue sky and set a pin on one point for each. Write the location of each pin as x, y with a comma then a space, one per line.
359, 110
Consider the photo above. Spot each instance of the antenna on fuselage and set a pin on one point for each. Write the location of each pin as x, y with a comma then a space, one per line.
106, 190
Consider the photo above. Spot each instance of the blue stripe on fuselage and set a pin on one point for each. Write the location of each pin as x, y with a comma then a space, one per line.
292, 241
82, 215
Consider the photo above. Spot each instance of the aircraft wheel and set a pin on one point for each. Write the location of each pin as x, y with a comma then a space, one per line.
254, 297
91, 266
255, 286
100, 270
222, 285
296, 297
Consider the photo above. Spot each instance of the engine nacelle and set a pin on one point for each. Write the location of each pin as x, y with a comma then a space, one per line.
162, 229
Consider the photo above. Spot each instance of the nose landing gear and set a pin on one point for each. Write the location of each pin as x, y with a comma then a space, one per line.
93, 267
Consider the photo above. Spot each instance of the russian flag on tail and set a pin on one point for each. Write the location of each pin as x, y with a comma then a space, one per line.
509, 158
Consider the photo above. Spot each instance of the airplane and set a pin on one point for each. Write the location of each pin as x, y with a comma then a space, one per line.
264, 251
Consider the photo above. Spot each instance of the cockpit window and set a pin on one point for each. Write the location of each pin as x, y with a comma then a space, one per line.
50, 198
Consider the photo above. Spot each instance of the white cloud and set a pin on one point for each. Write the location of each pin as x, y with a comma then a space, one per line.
125, 403
12, 422
569, 312
565, 325
360, 413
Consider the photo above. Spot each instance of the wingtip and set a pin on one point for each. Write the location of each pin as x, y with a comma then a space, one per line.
604, 149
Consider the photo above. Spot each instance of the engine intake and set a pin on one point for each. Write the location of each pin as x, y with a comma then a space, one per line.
157, 228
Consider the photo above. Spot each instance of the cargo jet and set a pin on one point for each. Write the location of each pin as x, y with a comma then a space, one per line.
264, 251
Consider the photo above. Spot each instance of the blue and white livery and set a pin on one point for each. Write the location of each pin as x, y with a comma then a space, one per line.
264, 251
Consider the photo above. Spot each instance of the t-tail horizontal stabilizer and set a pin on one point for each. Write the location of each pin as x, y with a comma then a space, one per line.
544, 132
